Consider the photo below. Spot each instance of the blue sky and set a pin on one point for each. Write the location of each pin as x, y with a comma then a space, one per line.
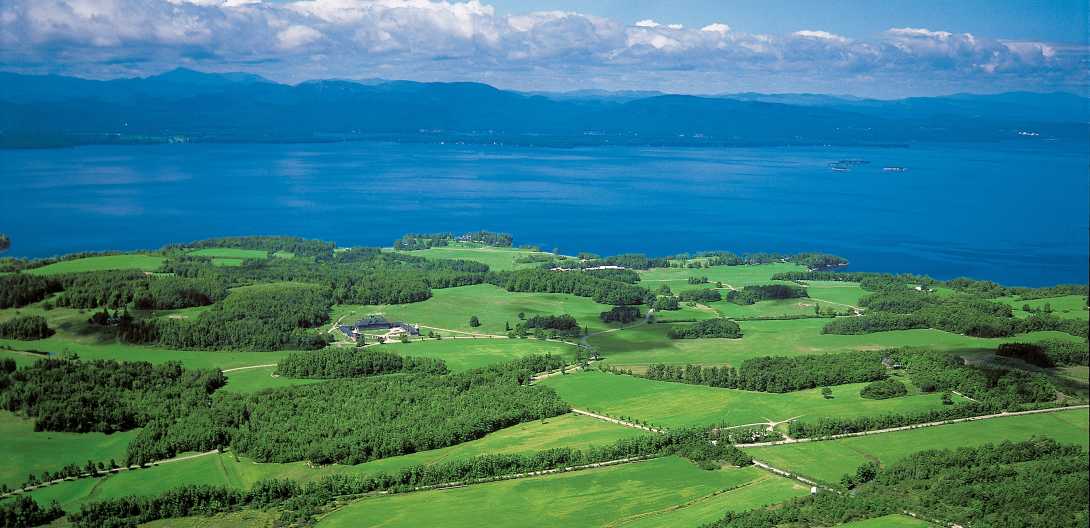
887, 48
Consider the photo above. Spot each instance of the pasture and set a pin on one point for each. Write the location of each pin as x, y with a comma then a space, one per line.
670, 404
828, 460
101, 263
231, 253
255, 379
226, 469
595, 497
451, 308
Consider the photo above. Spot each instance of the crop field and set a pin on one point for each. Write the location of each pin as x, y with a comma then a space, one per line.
497, 259
26, 451
466, 354
592, 498
676, 404
1066, 307
451, 308
646, 344
828, 460
106, 262
225, 469
847, 293
58, 346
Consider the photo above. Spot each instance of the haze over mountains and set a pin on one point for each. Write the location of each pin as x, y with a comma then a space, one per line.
186, 105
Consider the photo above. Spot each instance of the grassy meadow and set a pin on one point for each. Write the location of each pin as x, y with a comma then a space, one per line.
1065, 307
670, 404
101, 263
596, 497
889, 521
828, 460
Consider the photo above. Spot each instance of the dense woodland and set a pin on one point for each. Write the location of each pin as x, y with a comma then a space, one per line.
1026, 484
415, 241
1048, 354
341, 362
604, 291
104, 396
766, 292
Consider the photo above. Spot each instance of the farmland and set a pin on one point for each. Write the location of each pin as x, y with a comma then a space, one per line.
830, 459
586, 498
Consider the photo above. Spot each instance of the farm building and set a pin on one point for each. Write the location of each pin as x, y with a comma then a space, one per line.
377, 322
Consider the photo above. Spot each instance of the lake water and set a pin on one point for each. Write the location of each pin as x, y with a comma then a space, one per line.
1015, 213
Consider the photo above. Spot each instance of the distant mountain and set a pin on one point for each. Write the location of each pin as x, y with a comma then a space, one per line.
186, 105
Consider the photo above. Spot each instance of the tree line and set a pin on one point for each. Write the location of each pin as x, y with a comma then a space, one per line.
754, 293
1037, 482
25, 328
339, 362
1048, 354
300, 247
779, 373
603, 291
707, 328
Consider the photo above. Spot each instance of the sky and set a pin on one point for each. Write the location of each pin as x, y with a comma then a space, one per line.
885, 49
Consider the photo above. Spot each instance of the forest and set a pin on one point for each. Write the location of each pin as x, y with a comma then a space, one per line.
763, 292
25, 327
603, 291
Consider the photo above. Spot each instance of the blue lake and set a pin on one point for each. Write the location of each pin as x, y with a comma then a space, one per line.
1015, 213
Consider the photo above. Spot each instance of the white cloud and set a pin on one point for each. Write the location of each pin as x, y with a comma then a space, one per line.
448, 40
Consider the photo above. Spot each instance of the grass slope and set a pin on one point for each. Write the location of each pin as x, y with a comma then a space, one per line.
1066, 307
107, 262
889, 521
675, 404
497, 259
830, 459
25, 451
600, 497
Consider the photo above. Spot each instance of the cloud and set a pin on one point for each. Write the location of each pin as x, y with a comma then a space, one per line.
468, 40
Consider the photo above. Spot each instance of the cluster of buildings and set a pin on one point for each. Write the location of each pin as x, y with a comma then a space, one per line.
376, 322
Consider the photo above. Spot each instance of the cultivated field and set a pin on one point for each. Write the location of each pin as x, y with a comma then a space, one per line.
497, 259
466, 354
26, 451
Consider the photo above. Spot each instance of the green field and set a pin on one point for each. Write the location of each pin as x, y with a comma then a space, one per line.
497, 259
889, 521
107, 262
736, 276
465, 354
226, 469
26, 451
123, 352
231, 253
611, 496
647, 344
828, 460
677, 404
451, 308
1066, 307
255, 379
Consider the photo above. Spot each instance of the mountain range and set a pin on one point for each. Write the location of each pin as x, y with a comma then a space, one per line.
186, 105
